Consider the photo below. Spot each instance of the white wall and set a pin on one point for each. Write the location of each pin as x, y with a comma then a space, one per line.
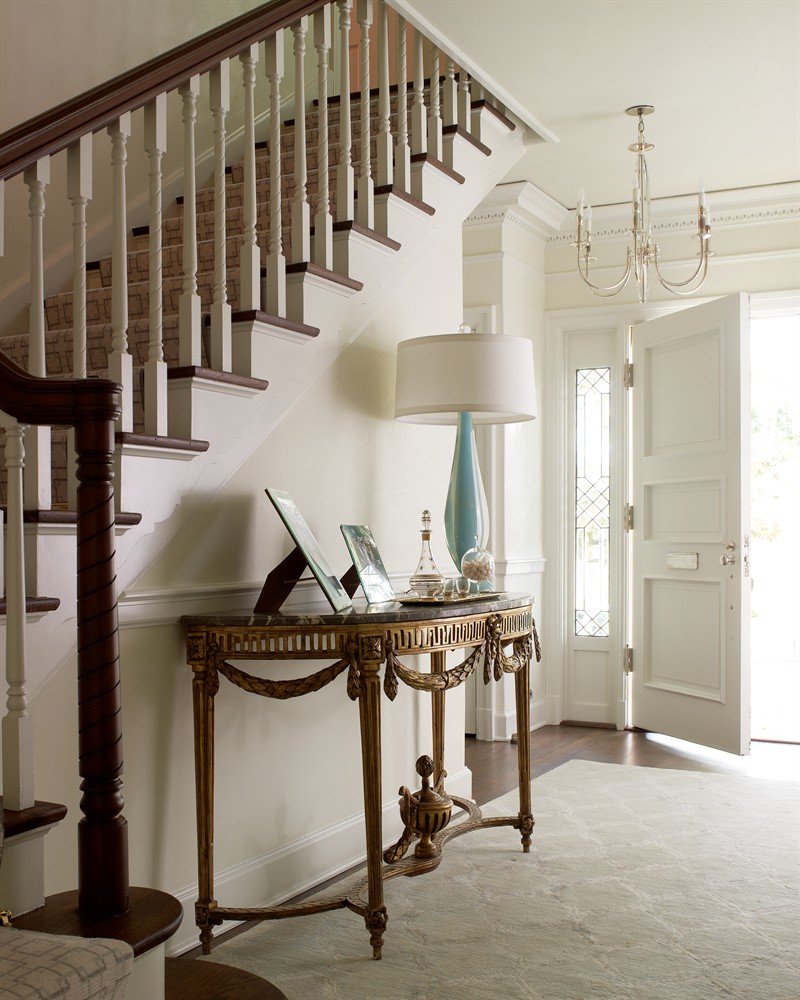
95, 39
287, 770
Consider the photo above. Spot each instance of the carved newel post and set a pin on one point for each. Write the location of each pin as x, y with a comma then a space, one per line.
103, 830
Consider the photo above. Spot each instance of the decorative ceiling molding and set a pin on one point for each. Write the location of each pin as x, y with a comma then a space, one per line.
744, 207
524, 207
491, 218
548, 224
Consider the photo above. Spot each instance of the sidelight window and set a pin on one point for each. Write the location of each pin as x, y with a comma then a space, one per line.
592, 501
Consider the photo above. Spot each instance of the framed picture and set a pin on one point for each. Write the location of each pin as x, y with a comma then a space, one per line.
368, 563
305, 541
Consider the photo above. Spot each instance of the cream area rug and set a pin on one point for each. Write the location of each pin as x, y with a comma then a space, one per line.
641, 884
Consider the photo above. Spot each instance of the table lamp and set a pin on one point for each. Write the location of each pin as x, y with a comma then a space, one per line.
465, 378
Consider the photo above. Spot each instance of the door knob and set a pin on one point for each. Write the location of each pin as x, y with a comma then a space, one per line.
729, 559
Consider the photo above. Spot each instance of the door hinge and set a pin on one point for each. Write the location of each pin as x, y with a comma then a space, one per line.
627, 375
627, 660
629, 517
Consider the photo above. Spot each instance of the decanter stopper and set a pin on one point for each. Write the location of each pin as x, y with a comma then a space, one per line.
427, 581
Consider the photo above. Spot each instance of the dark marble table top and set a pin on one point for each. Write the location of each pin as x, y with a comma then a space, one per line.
362, 613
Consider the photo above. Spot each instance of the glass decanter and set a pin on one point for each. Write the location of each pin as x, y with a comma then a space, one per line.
426, 580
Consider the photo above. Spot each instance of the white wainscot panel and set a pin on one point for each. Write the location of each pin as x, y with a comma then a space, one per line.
691, 420
684, 620
589, 689
684, 511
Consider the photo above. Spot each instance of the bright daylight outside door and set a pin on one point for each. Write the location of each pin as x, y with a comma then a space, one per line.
690, 493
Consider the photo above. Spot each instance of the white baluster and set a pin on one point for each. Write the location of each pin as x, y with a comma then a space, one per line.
79, 192
384, 138
301, 212
120, 363
450, 94
276, 261
365, 213
37, 177
402, 153
18, 792
464, 101
323, 221
434, 113
419, 131
155, 368
345, 194
220, 103
189, 303
37, 441
250, 256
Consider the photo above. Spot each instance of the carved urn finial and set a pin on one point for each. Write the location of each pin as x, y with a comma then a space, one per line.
430, 811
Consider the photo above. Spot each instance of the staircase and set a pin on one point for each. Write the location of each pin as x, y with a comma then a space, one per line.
220, 309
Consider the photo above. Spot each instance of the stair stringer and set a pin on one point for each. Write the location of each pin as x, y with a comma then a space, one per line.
235, 424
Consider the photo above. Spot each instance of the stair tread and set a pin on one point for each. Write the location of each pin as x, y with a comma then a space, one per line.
211, 375
308, 267
152, 918
58, 516
399, 192
38, 815
485, 105
161, 441
187, 979
439, 165
33, 605
258, 316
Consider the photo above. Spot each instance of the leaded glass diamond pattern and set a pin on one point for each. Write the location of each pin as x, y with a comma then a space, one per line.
592, 500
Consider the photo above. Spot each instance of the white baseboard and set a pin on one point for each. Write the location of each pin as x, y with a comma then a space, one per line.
538, 713
285, 872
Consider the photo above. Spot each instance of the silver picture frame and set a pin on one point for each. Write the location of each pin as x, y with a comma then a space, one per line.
368, 563
304, 539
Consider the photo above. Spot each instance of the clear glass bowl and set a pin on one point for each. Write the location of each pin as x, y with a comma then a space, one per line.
477, 565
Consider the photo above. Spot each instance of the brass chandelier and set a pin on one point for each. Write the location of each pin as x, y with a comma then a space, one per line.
644, 252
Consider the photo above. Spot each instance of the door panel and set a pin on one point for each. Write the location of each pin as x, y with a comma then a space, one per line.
690, 491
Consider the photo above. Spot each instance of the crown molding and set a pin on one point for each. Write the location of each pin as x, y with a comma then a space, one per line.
524, 207
735, 208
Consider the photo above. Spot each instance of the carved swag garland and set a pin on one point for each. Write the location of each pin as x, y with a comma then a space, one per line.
495, 664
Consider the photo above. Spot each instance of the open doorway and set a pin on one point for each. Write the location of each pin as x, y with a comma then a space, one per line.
775, 542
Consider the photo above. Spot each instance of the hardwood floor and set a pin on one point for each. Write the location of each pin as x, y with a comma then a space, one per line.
494, 765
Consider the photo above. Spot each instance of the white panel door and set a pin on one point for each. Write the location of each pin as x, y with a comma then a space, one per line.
690, 492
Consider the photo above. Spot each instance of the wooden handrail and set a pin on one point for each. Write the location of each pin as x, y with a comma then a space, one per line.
46, 401
58, 128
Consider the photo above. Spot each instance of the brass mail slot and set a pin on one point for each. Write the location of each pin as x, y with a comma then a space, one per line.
681, 560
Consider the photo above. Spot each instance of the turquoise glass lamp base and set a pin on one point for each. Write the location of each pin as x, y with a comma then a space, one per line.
466, 513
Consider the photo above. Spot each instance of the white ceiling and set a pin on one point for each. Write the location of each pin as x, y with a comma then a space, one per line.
723, 75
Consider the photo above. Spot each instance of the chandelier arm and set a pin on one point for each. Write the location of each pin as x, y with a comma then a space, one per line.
610, 289
676, 286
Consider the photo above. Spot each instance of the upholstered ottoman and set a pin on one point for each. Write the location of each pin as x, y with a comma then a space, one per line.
36, 966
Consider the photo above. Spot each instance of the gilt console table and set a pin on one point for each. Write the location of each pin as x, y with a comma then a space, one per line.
500, 634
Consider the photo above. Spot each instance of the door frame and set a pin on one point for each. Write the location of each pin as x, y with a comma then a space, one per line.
560, 325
